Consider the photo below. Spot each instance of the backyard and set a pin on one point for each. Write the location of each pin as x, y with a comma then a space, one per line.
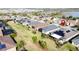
26, 35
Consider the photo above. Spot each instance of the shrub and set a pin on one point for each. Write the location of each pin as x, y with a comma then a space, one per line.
34, 32
34, 38
42, 35
13, 35
20, 45
43, 44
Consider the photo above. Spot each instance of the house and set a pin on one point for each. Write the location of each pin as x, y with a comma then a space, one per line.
39, 25
25, 21
36, 17
64, 34
50, 28
75, 41
7, 43
34, 23
71, 22
77, 22
56, 20
8, 31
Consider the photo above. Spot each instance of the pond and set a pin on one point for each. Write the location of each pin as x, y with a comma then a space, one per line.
74, 14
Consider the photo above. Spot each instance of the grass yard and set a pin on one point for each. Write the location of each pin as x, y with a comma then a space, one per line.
24, 34
68, 47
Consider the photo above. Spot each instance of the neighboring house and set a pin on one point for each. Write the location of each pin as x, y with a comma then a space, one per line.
56, 20
39, 25
75, 41
36, 17
71, 22
25, 21
77, 22
64, 34
7, 43
34, 23
49, 28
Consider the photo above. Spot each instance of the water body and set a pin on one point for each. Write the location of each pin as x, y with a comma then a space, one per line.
74, 14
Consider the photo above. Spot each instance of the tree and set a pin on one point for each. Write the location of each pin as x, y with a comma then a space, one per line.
34, 32
70, 17
20, 45
69, 47
34, 38
13, 35
42, 35
63, 17
74, 18
36, 13
43, 44
24, 14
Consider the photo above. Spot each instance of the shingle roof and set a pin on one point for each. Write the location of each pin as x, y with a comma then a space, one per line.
8, 41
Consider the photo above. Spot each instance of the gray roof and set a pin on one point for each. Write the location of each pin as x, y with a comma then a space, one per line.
76, 40
67, 35
49, 27
31, 22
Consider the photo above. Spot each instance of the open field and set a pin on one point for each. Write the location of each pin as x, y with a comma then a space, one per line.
24, 34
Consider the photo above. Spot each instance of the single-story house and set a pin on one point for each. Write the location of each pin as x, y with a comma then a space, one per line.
75, 41
25, 21
34, 23
50, 28
71, 22
7, 43
56, 20
64, 34
39, 25
77, 22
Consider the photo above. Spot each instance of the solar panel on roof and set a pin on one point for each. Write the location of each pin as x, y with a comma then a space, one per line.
7, 31
2, 46
61, 33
